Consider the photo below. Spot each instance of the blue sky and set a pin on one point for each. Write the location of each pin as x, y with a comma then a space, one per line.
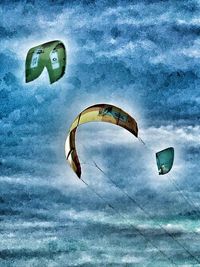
140, 55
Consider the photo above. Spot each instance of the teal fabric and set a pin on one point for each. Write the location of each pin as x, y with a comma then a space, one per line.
165, 160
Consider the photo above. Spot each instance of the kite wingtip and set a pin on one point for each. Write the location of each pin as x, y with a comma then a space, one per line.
79, 174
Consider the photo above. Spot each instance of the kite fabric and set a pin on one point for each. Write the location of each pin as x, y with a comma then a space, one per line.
165, 159
99, 113
51, 55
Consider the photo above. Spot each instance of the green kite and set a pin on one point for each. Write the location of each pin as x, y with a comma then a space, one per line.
51, 55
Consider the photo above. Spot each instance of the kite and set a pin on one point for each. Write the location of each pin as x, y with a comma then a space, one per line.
165, 159
51, 55
100, 112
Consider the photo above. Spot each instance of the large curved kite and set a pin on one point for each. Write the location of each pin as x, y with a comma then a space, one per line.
99, 112
51, 55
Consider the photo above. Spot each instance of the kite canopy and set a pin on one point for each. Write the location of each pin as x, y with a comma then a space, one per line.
99, 112
51, 55
165, 159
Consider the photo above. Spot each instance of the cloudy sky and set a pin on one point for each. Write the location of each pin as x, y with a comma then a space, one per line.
142, 56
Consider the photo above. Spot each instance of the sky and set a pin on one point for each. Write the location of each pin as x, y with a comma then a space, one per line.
142, 56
